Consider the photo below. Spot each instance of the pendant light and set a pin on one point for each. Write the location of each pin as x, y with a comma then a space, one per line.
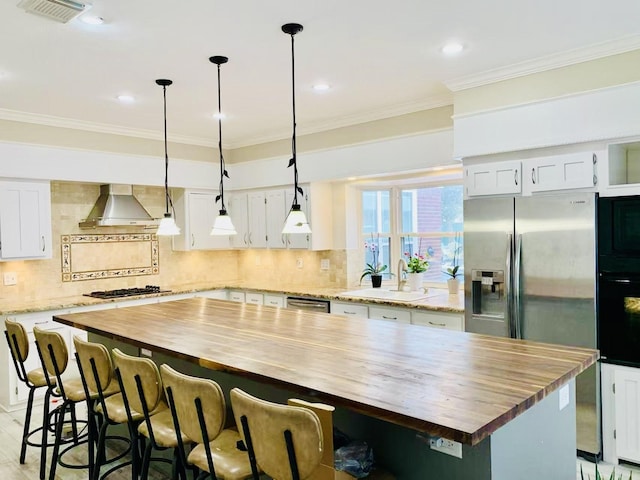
167, 224
296, 220
222, 224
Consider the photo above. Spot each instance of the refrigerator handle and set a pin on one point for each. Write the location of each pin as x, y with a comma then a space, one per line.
507, 287
516, 288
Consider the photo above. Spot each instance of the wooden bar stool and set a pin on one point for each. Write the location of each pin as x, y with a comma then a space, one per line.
141, 387
199, 411
18, 342
286, 441
54, 356
105, 405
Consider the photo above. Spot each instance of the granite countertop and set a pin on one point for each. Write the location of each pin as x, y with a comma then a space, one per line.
437, 299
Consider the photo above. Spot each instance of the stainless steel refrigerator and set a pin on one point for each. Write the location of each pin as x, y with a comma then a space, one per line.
530, 273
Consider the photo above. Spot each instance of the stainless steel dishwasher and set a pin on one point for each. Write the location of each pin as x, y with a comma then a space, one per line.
309, 304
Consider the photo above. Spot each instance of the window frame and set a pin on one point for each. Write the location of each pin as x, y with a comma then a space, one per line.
395, 221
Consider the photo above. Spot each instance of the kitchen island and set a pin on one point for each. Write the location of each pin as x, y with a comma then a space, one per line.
511, 403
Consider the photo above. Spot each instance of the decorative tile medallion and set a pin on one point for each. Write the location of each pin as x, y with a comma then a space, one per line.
96, 256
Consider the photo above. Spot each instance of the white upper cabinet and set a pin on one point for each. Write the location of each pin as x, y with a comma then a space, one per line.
561, 172
493, 179
238, 209
25, 220
196, 212
276, 215
257, 219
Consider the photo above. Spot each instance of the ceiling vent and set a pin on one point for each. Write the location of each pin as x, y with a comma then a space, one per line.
59, 10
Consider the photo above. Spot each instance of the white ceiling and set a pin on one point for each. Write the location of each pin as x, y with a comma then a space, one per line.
381, 58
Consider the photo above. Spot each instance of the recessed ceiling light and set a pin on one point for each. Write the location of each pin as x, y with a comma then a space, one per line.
452, 48
219, 115
321, 87
92, 19
126, 98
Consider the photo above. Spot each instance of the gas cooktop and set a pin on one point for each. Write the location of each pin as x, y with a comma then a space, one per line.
126, 292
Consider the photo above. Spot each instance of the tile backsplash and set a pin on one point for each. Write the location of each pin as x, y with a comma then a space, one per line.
71, 203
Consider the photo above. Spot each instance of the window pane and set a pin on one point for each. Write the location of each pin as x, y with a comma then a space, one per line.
376, 211
440, 252
377, 252
432, 209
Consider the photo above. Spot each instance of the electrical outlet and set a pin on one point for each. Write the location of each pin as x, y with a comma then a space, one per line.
299, 263
10, 278
324, 264
145, 352
446, 446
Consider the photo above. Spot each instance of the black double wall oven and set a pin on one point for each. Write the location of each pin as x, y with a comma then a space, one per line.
619, 279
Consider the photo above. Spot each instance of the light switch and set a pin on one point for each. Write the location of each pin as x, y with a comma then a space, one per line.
299, 263
10, 278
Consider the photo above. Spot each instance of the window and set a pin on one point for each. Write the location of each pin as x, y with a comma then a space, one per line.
426, 220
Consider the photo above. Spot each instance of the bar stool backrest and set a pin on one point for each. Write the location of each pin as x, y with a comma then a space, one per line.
265, 426
185, 390
150, 380
53, 351
16, 330
97, 352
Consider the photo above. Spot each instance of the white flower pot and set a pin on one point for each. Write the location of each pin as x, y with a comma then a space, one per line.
414, 281
454, 286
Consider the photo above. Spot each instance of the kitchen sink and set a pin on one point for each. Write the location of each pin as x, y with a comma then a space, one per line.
387, 294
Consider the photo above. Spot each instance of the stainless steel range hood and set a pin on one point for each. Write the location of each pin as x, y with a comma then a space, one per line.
116, 206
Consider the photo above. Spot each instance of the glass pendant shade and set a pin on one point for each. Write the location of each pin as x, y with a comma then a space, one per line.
296, 221
168, 226
223, 225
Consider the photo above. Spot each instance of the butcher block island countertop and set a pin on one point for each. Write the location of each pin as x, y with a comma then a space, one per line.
456, 385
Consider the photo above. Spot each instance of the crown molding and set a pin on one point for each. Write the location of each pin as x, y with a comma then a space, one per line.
61, 122
541, 64
431, 102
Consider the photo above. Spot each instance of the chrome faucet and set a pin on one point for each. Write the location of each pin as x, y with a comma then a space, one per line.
402, 269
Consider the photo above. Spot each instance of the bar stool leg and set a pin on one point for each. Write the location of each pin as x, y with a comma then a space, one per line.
27, 424
45, 434
56, 447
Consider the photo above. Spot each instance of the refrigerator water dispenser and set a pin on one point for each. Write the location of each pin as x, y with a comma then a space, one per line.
487, 291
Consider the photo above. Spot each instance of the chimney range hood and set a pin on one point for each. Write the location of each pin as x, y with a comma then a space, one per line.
116, 206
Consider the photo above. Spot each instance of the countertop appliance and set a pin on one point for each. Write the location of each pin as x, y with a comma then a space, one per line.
126, 292
308, 303
530, 266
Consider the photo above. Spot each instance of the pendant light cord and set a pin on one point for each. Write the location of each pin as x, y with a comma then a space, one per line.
223, 169
166, 155
294, 161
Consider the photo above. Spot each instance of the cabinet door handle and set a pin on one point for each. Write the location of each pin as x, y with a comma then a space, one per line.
284, 242
515, 176
43, 243
193, 240
42, 323
533, 175
348, 313
437, 324
245, 238
250, 238
389, 318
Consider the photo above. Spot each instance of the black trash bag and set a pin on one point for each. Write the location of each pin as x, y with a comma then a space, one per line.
355, 458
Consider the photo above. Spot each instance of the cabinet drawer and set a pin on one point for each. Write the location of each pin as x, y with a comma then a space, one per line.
449, 321
274, 300
352, 309
391, 314
236, 296
254, 298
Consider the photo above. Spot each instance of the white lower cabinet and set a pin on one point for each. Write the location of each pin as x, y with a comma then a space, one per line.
391, 314
254, 298
274, 300
352, 309
236, 296
620, 413
214, 294
449, 321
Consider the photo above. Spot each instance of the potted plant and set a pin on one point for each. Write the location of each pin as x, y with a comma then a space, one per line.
416, 265
453, 283
375, 268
